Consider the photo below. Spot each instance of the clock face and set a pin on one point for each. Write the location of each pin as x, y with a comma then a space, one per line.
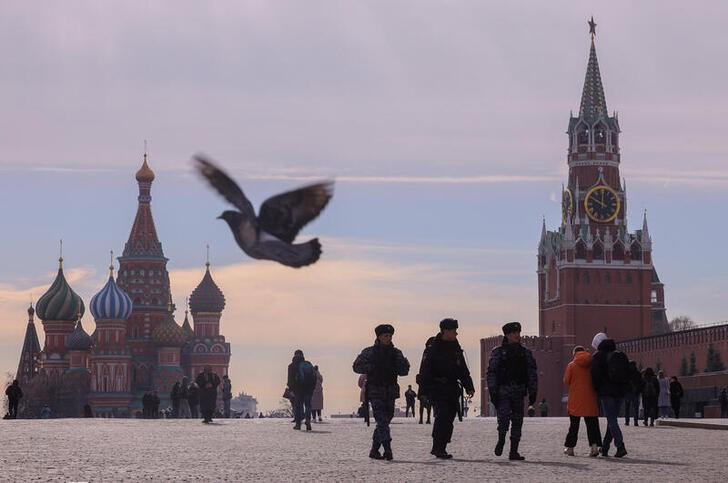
567, 205
602, 204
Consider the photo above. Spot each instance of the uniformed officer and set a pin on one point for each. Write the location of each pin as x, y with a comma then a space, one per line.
511, 375
443, 376
382, 363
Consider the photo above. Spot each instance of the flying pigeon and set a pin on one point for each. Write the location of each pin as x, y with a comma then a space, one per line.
270, 235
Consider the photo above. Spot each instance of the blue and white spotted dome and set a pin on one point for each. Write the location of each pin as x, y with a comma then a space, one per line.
111, 302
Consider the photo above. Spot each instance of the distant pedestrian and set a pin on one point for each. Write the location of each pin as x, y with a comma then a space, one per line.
208, 381
317, 398
301, 382
723, 399
543, 407
443, 377
610, 376
45, 412
14, 394
184, 405
87, 411
227, 395
382, 363
174, 397
676, 394
632, 396
650, 390
155, 404
663, 398
425, 404
582, 402
512, 374
410, 396
193, 399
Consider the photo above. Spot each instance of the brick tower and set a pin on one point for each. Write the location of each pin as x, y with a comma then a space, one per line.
593, 274
28, 365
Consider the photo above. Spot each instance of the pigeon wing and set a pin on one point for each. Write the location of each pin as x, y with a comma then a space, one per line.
224, 185
285, 214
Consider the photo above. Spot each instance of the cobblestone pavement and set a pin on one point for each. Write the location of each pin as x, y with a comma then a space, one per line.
336, 450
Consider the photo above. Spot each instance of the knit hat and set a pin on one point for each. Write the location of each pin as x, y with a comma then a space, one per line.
448, 324
598, 339
383, 329
578, 348
511, 327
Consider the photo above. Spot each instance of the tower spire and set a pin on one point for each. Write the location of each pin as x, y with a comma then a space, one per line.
593, 103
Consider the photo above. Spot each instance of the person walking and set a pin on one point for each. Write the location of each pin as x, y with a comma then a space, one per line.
193, 399
582, 402
317, 399
14, 394
207, 381
512, 374
443, 376
174, 397
610, 376
676, 394
663, 397
650, 390
227, 395
410, 396
184, 406
301, 381
382, 363
632, 396
424, 406
155, 404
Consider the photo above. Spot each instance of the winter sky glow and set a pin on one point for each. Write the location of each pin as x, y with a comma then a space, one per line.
443, 123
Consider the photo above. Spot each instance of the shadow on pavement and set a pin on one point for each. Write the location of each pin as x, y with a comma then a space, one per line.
636, 461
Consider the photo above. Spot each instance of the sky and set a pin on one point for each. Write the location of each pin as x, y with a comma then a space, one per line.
443, 124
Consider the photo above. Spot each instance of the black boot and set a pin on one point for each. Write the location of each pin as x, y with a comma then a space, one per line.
374, 453
499, 445
513, 455
438, 450
387, 450
621, 451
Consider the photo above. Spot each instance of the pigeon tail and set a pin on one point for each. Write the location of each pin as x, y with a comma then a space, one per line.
295, 255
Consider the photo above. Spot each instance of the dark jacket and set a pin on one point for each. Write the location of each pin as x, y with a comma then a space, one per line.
443, 365
13, 391
513, 366
650, 387
208, 395
174, 395
600, 376
410, 396
193, 395
296, 384
382, 364
676, 391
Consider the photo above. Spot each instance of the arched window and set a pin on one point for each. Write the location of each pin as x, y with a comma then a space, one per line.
582, 137
580, 251
598, 252
636, 251
618, 251
600, 134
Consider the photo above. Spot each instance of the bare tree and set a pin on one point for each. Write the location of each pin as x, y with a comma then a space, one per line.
682, 322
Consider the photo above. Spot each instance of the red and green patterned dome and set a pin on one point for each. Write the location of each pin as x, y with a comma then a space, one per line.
207, 297
169, 334
59, 302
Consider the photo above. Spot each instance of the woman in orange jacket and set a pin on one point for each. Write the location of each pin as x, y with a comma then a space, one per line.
582, 402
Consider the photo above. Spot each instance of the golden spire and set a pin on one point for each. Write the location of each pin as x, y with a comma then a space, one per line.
60, 258
207, 263
145, 173
111, 264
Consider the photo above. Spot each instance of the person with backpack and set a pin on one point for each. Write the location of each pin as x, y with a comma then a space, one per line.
676, 394
610, 373
512, 374
632, 396
382, 363
650, 390
301, 382
582, 402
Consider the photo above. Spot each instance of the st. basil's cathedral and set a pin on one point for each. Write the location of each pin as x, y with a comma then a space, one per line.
137, 346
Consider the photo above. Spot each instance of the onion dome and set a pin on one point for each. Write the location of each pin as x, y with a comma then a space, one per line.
79, 340
207, 297
111, 302
145, 173
168, 333
60, 302
187, 328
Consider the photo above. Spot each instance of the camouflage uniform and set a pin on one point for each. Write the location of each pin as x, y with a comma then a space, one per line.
382, 364
511, 375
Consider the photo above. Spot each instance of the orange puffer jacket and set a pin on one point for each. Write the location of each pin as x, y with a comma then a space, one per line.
582, 397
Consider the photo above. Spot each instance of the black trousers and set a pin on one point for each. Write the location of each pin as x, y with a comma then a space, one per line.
675, 403
13, 407
424, 406
409, 406
445, 411
593, 433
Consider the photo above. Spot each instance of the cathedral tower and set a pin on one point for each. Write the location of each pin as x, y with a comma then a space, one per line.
28, 365
593, 274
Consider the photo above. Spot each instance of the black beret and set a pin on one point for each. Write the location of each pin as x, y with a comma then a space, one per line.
383, 329
511, 327
448, 324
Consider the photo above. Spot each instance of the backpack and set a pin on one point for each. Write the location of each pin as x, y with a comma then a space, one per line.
618, 368
305, 376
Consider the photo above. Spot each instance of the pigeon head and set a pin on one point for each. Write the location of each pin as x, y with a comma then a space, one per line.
233, 218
